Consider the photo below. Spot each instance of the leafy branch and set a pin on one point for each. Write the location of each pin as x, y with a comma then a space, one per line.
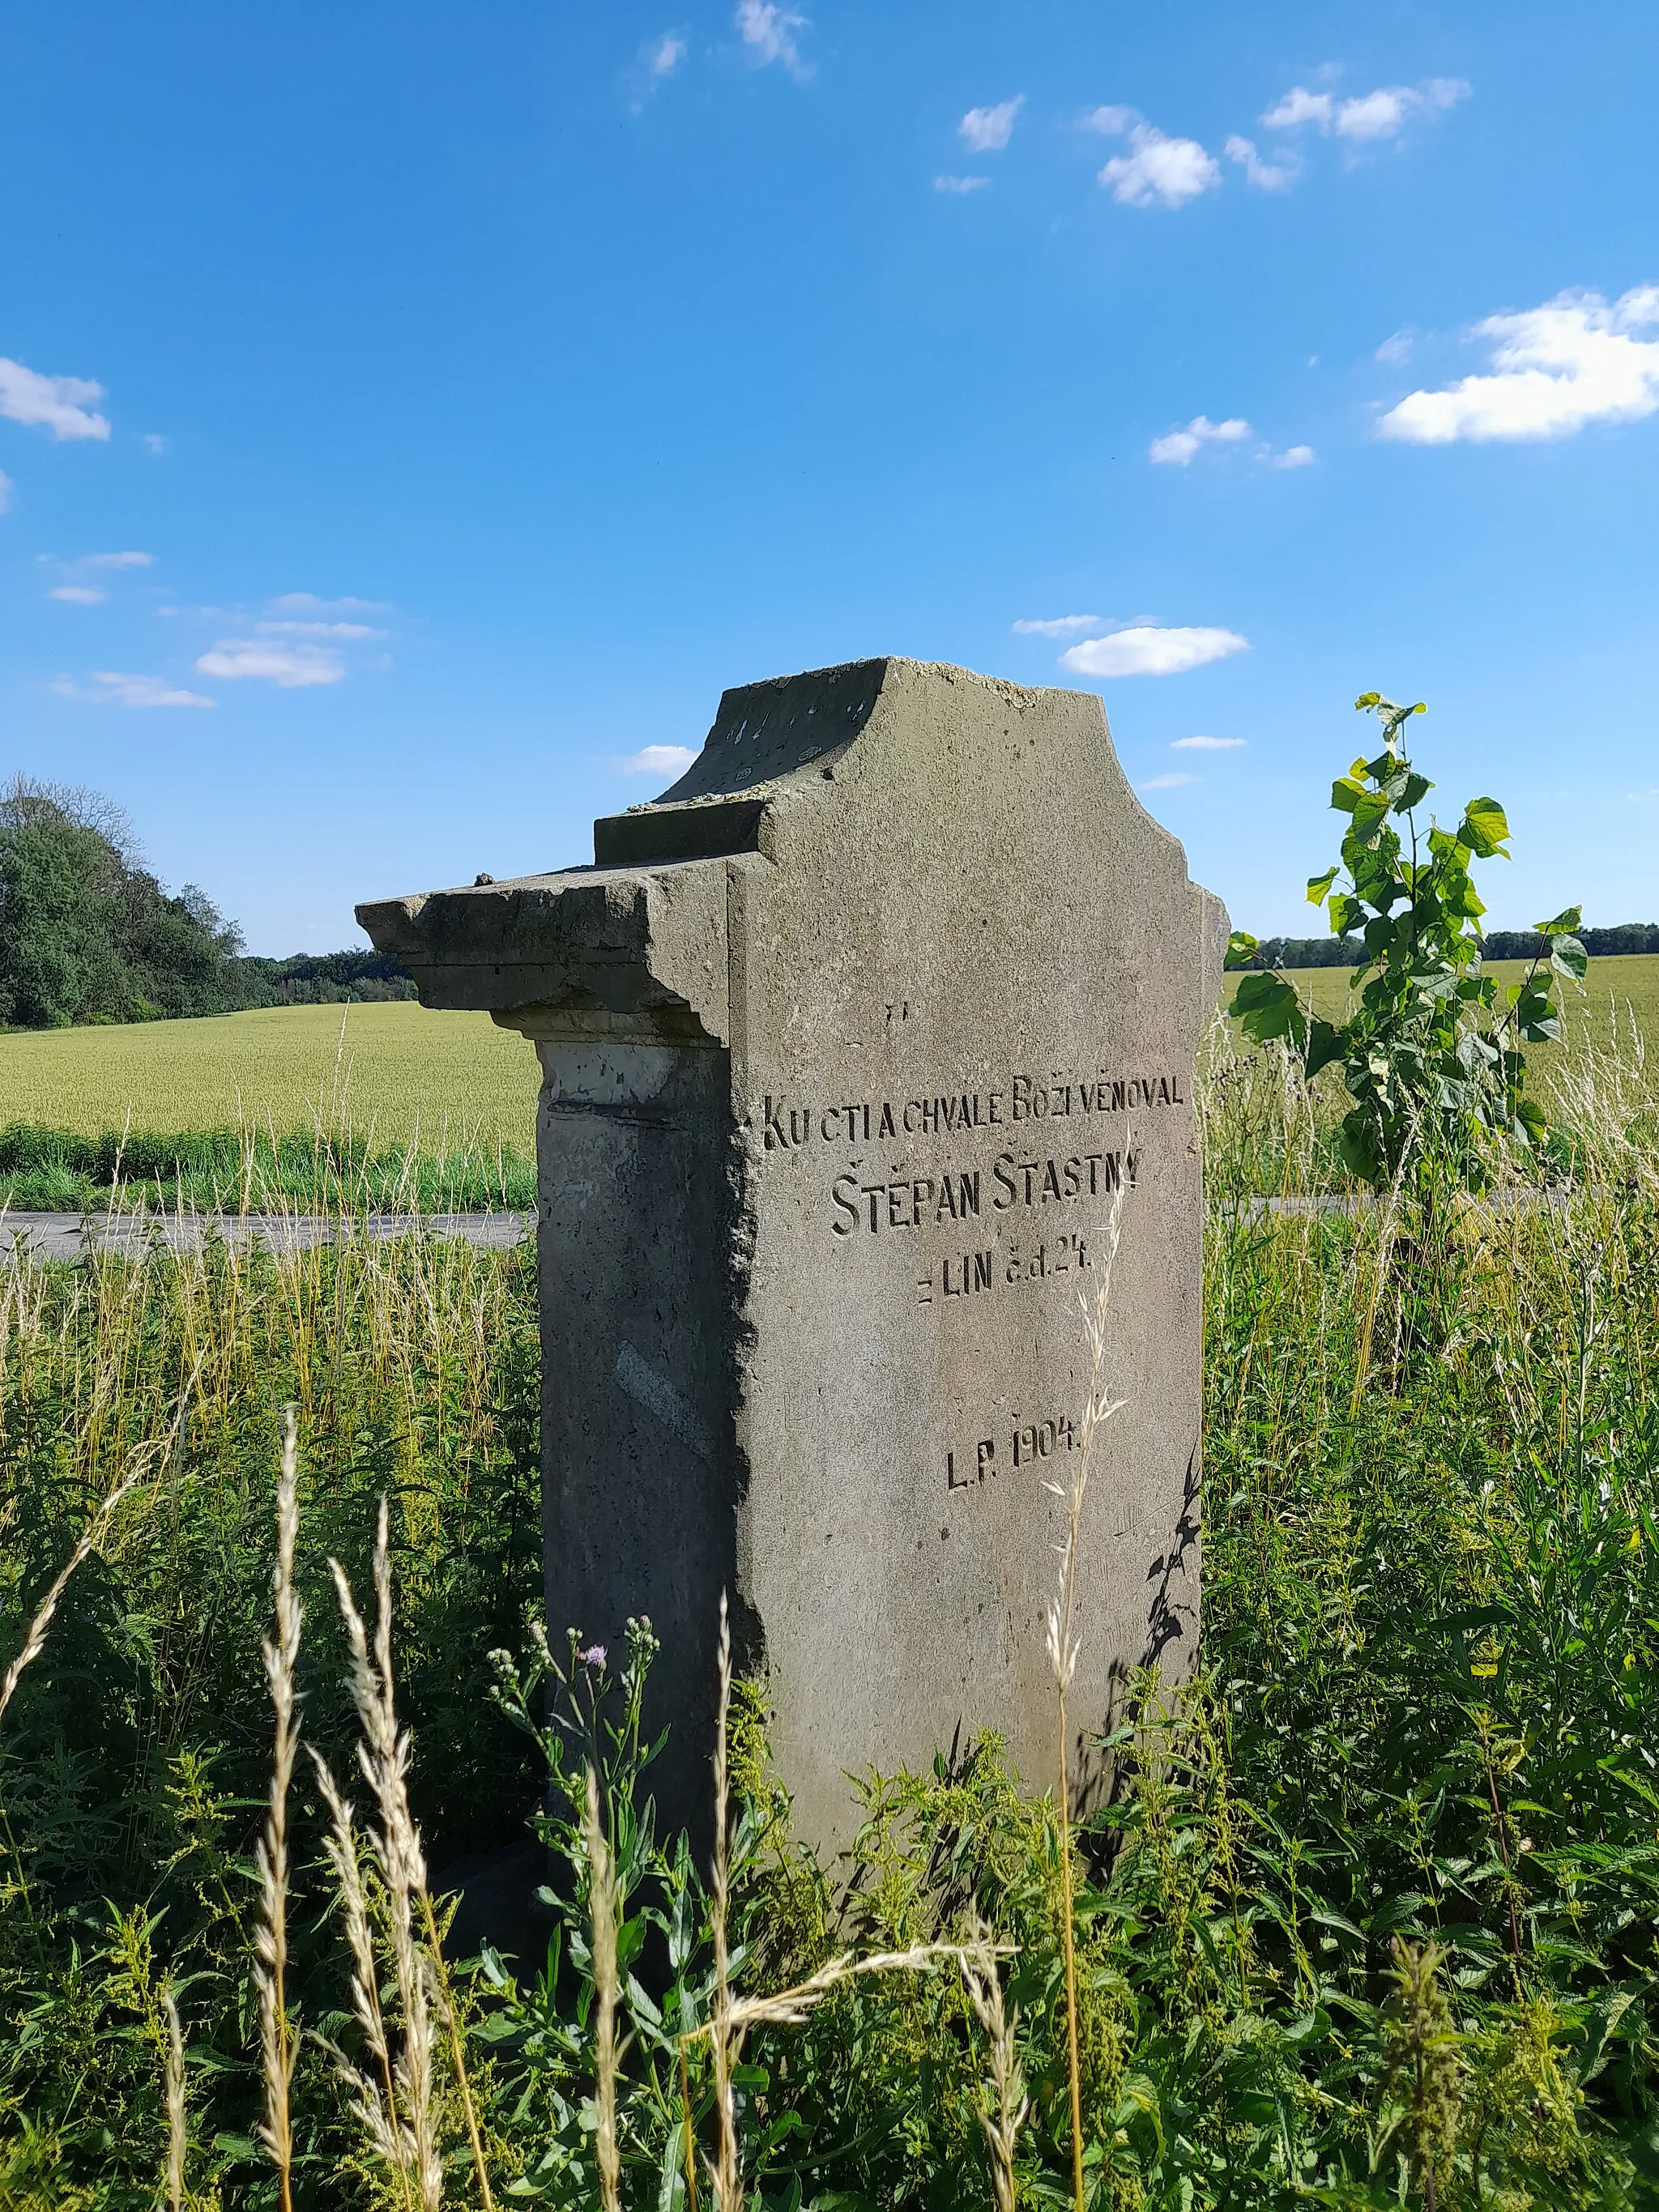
1434, 1054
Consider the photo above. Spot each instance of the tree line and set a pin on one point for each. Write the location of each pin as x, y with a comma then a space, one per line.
87, 933
1496, 945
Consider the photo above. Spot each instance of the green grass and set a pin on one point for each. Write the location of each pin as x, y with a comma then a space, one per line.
1619, 992
1428, 1710
248, 1171
396, 1075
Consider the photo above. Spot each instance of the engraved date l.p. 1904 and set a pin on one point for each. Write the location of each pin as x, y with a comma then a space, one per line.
1024, 1445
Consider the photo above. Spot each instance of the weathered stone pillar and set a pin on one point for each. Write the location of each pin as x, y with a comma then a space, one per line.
847, 1044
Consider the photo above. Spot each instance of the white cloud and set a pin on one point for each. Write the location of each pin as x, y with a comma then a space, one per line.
1159, 172
1396, 348
79, 595
960, 184
134, 690
1058, 626
153, 441
294, 666
1111, 122
1178, 775
7, 488
1179, 447
658, 59
658, 759
1266, 176
308, 603
57, 403
1294, 457
1383, 113
116, 561
1574, 361
771, 30
1379, 115
1205, 745
1148, 649
987, 129
1299, 106
315, 629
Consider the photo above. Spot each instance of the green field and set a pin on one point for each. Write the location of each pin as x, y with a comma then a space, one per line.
1613, 1012
397, 1076
1620, 990
393, 1074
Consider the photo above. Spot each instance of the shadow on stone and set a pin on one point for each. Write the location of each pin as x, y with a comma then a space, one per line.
499, 1904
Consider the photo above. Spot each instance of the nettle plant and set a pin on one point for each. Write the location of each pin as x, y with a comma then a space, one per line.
1434, 1054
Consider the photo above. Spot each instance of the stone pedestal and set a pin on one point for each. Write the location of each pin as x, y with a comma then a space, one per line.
846, 1044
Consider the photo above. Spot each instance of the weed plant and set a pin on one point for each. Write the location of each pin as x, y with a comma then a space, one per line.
1369, 1919
328, 1169
135, 1756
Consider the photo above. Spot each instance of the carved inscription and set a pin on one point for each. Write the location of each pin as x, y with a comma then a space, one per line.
788, 1127
977, 1206
965, 1275
1026, 1447
1023, 1445
955, 1194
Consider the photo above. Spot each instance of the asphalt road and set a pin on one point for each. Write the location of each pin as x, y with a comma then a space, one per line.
69, 1236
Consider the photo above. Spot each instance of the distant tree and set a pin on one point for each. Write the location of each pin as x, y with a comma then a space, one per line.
328, 979
87, 934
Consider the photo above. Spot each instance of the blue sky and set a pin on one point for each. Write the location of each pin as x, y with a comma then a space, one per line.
412, 415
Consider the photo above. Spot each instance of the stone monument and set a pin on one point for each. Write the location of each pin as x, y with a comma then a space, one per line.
848, 1043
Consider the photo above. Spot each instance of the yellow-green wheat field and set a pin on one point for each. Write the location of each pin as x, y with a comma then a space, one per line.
1620, 992
393, 1073
400, 1075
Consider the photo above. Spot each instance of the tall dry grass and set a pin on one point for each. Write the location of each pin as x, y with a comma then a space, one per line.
281, 1653
1063, 1645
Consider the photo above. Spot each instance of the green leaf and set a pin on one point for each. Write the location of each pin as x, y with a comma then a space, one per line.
1366, 701
1370, 809
1572, 921
1603, 2022
1568, 958
1266, 1005
1346, 792
1358, 1147
1326, 1043
1318, 885
1241, 948
1460, 899
1484, 828
1417, 789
